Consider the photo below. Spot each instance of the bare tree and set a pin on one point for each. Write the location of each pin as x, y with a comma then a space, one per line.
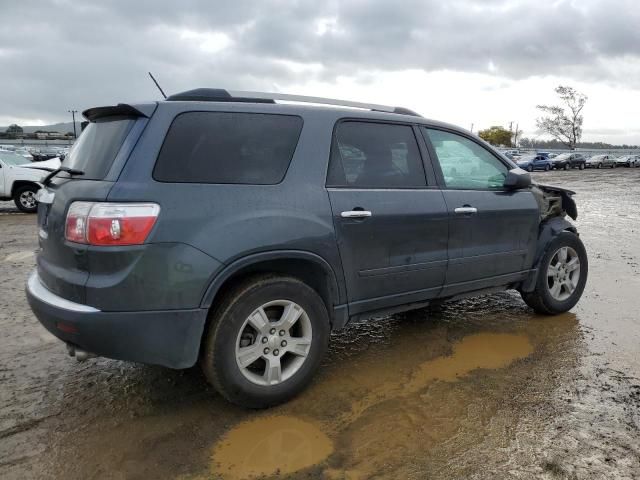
564, 123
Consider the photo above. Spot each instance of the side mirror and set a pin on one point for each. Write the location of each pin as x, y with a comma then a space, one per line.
517, 179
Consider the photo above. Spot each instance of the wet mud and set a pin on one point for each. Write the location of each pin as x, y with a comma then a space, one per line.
481, 388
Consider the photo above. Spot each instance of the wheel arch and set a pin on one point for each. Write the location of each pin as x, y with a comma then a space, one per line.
23, 183
549, 229
306, 266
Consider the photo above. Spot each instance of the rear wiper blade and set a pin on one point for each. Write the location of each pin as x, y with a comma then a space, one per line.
70, 171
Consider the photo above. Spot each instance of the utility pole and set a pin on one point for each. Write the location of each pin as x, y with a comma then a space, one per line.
471, 130
73, 116
515, 138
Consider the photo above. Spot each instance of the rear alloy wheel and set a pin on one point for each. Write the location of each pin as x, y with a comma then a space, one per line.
25, 199
547, 167
265, 341
562, 276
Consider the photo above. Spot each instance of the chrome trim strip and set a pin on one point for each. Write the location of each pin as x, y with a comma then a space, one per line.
285, 97
38, 290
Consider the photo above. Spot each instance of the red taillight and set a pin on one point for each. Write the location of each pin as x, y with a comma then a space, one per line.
110, 223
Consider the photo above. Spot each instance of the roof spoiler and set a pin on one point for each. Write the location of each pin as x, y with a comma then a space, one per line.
222, 95
120, 110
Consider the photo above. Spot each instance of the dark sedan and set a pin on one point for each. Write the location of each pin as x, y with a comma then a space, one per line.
565, 161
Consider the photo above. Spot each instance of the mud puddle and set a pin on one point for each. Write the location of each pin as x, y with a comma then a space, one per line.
286, 444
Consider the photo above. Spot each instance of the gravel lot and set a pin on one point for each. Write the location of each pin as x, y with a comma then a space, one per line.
481, 388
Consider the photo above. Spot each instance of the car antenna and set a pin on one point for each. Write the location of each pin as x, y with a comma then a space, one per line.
157, 85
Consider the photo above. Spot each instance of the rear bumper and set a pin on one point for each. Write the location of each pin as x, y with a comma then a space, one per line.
170, 338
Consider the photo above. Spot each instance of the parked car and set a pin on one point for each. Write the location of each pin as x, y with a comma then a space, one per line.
599, 161
628, 161
565, 161
226, 228
20, 180
535, 162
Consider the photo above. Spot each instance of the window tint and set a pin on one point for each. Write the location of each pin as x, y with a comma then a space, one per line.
375, 155
464, 163
222, 147
97, 146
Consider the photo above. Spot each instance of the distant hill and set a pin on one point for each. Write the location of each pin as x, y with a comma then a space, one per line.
56, 127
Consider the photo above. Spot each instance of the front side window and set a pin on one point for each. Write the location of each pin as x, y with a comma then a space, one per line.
375, 155
225, 147
465, 164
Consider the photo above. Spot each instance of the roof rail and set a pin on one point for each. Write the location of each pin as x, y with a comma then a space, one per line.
221, 95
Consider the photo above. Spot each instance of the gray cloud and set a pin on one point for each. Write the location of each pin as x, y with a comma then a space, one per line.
62, 54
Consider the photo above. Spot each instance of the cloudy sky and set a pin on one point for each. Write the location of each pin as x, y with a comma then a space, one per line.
486, 62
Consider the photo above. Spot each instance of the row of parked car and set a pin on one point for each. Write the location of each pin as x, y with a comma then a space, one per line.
565, 161
34, 154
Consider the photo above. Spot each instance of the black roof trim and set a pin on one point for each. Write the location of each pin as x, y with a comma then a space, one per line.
122, 109
212, 95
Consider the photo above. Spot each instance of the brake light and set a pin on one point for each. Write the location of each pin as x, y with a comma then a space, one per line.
110, 223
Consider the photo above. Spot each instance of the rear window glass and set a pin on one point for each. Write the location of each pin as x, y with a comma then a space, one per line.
223, 147
97, 146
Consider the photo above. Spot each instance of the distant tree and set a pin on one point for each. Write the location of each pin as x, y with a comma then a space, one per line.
14, 129
496, 135
564, 123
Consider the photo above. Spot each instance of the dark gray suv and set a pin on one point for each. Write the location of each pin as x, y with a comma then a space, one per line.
230, 229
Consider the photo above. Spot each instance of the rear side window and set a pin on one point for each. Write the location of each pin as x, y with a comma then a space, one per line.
223, 147
97, 146
375, 155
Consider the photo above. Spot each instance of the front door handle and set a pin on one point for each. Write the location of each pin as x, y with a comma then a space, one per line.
356, 214
466, 210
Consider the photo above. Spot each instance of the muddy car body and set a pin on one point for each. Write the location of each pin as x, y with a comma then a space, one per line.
231, 229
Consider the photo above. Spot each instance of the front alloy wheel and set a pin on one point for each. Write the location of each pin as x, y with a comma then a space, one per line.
562, 276
563, 273
25, 199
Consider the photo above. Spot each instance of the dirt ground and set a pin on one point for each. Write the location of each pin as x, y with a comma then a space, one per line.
476, 389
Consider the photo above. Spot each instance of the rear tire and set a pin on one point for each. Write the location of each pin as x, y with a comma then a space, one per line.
530, 168
547, 168
25, 199
254, 353
566, 166
581, 166
561, 277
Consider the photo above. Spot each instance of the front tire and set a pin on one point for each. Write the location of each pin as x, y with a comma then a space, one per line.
562, 276
265, 340
581, 167
25, 199
547, 168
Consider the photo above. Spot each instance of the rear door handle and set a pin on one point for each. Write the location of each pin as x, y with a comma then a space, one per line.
356, 214
466, 210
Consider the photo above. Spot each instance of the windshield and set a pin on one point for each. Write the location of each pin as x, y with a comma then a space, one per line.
597, 157
97, 147
13, 159
562, 156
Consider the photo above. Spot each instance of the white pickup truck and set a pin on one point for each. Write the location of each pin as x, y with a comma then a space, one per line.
20, 179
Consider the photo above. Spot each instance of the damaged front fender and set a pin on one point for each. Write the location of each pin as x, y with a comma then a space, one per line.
554, 202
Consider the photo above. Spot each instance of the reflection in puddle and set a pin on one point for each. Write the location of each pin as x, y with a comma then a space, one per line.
270, 445
482, 350
285, 444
